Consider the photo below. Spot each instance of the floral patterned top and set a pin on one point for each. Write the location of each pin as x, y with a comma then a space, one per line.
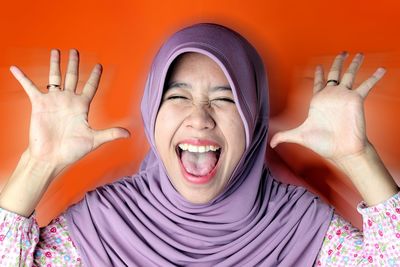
23, 243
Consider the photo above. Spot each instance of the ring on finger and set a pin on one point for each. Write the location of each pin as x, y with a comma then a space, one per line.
53, 86
332, 81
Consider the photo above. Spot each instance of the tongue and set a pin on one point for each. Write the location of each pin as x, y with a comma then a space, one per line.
199, 164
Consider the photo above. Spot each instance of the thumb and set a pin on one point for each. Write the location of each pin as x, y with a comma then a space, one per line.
289, 136
103, 136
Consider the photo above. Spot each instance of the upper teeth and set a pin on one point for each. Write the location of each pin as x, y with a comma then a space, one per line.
198, 149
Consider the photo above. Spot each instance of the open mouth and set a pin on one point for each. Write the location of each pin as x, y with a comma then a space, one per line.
199, 162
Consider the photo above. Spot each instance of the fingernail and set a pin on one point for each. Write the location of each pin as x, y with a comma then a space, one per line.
99, 67
54, 52
381, 70
13, 69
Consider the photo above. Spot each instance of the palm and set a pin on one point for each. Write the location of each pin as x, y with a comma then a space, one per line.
59, 123
335, 123
335, 126
59, 129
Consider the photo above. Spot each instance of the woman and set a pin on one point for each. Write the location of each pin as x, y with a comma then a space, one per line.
203, 195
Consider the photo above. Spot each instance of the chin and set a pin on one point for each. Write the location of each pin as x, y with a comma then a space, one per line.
198, 194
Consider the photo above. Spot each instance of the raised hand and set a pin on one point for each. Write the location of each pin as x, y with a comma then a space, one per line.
59, 133
335, 126
59, 129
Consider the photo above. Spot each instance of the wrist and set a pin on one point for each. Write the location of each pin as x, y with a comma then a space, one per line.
27, 184
369, 175
366, 155
41, 167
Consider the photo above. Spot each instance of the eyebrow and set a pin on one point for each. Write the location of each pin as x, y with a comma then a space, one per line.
187, 85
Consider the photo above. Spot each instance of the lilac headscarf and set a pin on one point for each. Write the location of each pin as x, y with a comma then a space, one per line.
143, 221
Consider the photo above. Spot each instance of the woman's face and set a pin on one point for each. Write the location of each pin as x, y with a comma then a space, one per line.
199, 133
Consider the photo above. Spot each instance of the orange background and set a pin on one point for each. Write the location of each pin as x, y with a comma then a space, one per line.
291, 36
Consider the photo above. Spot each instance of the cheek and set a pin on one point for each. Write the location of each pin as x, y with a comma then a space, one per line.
234, 130
167, 123
239, 130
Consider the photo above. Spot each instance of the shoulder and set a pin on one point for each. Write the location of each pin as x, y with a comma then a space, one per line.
298, 196
122, 190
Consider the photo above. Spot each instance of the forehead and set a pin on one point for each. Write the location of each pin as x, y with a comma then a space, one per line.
195, 65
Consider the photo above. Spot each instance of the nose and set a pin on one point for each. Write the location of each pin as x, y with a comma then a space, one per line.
200, 117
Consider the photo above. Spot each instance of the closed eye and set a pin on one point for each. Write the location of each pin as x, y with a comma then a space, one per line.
224, 99
176, 97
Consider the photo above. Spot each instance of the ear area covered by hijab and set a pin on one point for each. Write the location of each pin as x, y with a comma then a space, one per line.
141, 220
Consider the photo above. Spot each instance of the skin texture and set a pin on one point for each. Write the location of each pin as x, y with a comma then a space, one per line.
196, 111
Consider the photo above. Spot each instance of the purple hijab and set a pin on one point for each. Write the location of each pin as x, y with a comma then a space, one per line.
142, 220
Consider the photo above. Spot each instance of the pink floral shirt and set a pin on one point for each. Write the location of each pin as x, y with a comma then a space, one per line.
23, 243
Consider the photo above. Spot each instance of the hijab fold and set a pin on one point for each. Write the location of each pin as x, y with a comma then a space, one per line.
141, 220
